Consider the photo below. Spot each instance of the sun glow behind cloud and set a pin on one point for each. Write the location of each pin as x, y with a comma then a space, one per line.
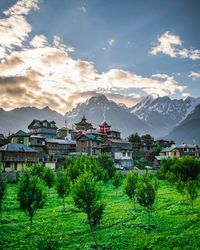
41, 73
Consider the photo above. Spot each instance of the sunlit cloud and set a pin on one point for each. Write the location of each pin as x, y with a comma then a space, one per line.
43, 73
172, 45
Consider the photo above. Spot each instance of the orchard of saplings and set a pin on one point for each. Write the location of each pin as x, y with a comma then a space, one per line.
88, 204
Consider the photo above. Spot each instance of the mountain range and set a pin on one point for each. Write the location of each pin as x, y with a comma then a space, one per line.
156, 115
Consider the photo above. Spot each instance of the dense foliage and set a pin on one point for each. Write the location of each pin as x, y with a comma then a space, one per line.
102, 167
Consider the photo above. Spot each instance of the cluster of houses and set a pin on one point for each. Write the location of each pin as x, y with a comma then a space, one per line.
49, 145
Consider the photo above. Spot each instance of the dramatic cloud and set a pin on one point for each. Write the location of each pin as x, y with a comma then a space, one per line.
22, 7
14, 29
41, 73
171, 45
194, 75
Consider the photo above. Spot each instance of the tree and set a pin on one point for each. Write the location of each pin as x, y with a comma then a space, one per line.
2, 190
134, 138
146, 193
183, 173
107, 163
86, 195
131, 185
81, 164
117, 180
192, 191
49, 177
62, 185
31, 194
38, 170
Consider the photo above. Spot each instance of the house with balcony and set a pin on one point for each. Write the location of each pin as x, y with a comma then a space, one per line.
44, 128
15, 157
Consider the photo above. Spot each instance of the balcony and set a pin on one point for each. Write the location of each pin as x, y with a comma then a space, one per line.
20, 159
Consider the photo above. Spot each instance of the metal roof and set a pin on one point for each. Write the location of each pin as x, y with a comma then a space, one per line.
20, 133
14, 147
60, 141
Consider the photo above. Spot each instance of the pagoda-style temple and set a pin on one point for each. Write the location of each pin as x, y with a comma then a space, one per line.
83, 125
104, 128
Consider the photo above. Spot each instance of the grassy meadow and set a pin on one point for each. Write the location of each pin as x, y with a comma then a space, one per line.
175, 224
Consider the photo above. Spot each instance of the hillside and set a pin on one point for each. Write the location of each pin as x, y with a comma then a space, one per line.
189, 130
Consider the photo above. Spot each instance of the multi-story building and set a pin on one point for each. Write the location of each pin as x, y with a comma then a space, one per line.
121, 151
14, 157
104, 128
90, 144
46, 129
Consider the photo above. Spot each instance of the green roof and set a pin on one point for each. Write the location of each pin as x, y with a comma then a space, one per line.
92, 137
21, 133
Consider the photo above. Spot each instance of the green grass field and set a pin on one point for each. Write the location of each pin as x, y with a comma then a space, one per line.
176, 225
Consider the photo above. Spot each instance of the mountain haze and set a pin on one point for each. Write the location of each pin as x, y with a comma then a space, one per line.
189, 129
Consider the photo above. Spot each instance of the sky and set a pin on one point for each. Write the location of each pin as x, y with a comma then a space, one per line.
60, 53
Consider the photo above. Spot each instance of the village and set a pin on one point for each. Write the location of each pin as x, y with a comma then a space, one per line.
49, 145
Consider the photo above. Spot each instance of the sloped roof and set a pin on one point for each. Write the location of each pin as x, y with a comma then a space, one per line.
60, 141
14, 147
40, 124
92, 137
21, 133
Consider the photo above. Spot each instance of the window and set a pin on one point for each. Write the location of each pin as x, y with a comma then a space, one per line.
20, 140
123, 154
129, 154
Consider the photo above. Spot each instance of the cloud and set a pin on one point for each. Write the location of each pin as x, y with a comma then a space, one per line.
22, 7
83, 8
194, 75
171, 45
111, 42
41, 73
14, 28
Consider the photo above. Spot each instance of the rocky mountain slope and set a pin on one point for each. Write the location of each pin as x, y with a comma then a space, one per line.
98, 109
162, 114
188, 131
